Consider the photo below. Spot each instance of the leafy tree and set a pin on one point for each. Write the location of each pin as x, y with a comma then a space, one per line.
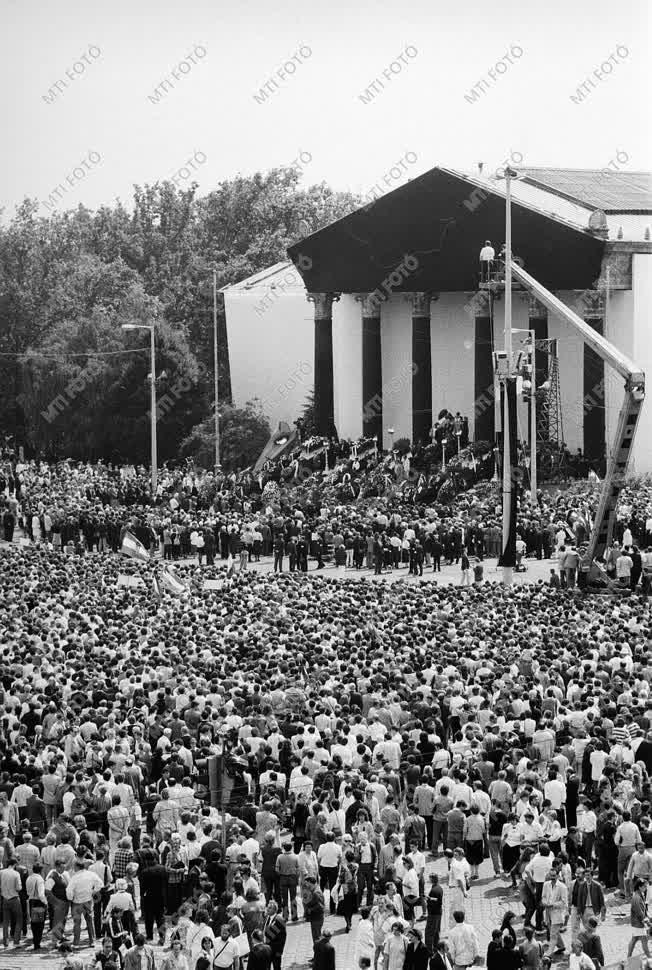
244, 432
86, 398
64, 286
308, 415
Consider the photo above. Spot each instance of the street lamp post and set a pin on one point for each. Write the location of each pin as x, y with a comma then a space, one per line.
152, 399
217, 383
508, 557
533, 421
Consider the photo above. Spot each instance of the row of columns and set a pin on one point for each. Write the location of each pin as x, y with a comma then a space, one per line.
324, 398
372, 367
422, 416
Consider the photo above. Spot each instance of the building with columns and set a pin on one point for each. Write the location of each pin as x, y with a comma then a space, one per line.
382, 312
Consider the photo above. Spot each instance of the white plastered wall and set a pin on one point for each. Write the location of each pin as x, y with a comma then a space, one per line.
271, 354
642, 354
396, 341
452, 334
347, 366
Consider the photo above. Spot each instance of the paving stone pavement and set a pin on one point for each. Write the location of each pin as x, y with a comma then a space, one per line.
488, 900
537, 569
449, 575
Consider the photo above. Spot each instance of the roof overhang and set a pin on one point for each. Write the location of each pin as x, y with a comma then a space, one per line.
443, 218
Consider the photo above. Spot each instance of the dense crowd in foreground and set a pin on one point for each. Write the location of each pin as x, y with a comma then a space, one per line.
364, 728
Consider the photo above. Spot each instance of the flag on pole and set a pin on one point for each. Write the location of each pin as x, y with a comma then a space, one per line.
156, 587
172, 583
133, 548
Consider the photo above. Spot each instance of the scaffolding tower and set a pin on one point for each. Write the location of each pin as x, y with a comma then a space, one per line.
550, 427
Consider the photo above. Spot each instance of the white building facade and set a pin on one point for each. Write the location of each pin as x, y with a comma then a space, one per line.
392, 355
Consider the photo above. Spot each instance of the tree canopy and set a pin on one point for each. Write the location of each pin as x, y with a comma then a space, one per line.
70, 280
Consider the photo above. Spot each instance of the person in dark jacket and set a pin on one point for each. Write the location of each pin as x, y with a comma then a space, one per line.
35, 812
153, 882
314, 907
324, 958
644, 752
302, 554
440, 959
279, 552
260, 954
591, 942
637, 568
638, 919
209, 547
510, 958
9, 524
274, 933
495, 950
417, 955
291, 550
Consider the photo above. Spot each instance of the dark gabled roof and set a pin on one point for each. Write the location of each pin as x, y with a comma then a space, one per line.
611, 191
443, 218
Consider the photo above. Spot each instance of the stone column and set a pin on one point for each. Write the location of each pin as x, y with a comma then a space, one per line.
372, 368
324, 396
484, 391
421, 368
594, 396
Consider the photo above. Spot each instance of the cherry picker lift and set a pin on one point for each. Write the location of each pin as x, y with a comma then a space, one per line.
621, 448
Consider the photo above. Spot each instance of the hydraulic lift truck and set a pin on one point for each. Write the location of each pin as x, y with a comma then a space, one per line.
591, 572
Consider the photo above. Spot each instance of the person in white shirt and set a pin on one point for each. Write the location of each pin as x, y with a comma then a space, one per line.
226, 952
365, 944
624, 566
461, 792
441, 758
300, 781
463, 943
329, 857
480, 798
555, 790
554, 900
80, 891
578, 958
587, 822
251, 848
487, 256
459, 876
343, 751
598, 759
530, 830
390, 751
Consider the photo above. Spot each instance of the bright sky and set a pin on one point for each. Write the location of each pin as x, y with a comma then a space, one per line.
209, 112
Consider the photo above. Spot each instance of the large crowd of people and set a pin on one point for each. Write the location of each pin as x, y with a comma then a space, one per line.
201, 770
87, 507
354, 732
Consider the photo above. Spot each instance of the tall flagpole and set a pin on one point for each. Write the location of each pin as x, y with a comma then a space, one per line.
508, 558
152, 405
533, 423
216, 378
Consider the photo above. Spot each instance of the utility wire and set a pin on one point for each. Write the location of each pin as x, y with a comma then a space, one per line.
88, 353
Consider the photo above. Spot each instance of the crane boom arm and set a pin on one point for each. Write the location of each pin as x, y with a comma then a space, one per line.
618, 460
610, 354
